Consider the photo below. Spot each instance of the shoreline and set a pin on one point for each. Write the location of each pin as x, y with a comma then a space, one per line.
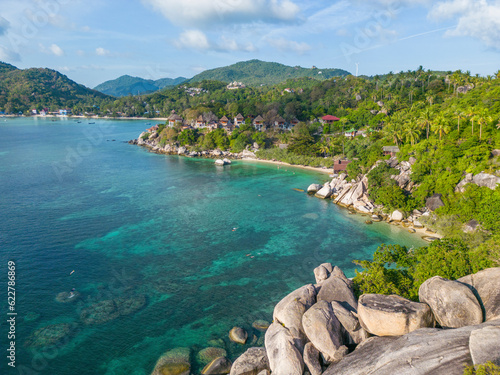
91, 117
277, 162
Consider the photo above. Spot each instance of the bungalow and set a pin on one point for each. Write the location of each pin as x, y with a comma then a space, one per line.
224, 121
390, 150
213, 125
258, 123
280, 123
294, 122
152, 129
200, 123
329, 119
174, 120
239, 120
340, 165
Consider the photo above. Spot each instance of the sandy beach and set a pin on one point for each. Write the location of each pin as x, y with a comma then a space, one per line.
280, 163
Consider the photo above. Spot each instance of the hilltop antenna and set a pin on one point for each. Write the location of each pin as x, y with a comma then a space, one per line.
357, 69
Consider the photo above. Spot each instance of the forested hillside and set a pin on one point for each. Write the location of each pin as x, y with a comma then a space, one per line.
127, 85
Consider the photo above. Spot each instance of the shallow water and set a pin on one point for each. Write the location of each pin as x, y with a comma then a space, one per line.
132, 223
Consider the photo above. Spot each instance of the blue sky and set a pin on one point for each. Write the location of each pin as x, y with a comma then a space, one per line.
92, 41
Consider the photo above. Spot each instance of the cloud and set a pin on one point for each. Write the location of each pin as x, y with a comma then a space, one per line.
197, 40
479, 19
285, 45
219, 12
56, 50
8, 55
102, 52
4, 25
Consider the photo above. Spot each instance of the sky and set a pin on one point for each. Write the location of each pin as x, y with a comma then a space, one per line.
92, 41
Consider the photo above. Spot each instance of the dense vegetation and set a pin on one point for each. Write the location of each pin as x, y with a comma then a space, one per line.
23, 90
127, 85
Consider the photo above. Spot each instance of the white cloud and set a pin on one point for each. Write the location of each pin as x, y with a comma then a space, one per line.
285, 45
475, 18
102, 52
197, 40
4, 25
56, 50
8, 55
201, 13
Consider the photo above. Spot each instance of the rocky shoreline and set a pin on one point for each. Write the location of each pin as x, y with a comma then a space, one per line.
323, 329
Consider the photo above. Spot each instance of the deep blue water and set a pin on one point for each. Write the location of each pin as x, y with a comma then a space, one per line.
138, 225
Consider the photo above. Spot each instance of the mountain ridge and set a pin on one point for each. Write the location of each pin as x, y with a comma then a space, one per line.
129, 85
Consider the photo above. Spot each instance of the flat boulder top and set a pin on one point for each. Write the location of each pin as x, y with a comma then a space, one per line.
392, 303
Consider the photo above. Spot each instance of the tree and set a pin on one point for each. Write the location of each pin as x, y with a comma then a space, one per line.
460, 116
411, 131
441, 125
483, 118
425, 120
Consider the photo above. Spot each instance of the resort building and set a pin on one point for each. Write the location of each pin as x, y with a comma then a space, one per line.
340, 165
174, 120
329, 119
200, 123
280, 123
239, 120
258, 123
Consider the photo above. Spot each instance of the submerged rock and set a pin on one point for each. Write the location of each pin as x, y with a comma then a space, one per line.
207, 355
54, 334
218, 366
68, 297
261, 325
174, 362
238, 335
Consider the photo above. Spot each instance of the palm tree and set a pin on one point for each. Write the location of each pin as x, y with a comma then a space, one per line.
394, 129
425, 120
460, 116
483, 118
441, 125
471, 113
411, 131
324, 148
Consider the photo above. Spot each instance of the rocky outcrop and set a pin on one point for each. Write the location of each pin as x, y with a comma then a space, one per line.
322, 272
452, 303
482, 179
338, 288
485, 285
313, 188
323, 329
324, 192
352, 332
392, 315
311, 359
484, 344
425, 351
434, 202
238, 335
284, 357
397, 216
252, 362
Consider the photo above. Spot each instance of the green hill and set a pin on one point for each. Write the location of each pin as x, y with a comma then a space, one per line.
127, 85
257, 73
23, 90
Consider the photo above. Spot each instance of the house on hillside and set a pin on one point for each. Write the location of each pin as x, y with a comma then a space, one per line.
258, 123
294, 122
213, 125
340, 165
390, 150
329, 119
224, 121
239, 120
200, 123
280, 123
174, 119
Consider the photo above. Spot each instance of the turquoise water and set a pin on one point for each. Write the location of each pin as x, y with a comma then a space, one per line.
133, 224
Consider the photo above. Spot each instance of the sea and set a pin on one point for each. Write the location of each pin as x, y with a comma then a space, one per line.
116, 255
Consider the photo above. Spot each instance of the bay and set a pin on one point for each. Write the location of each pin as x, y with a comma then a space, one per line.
203, 247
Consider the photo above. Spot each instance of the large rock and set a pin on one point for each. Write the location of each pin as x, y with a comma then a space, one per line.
487, 180
182, 150
461, 185
313, 188
218, 366
425, 351
338, 288
322, 272
397, 216
356, 192
434, 202
284, 357
453, 304
311, 359
486, 287
253, 361
324, 192
352, 332
392, 315
484, 345
238, 335
323, 329
290, 309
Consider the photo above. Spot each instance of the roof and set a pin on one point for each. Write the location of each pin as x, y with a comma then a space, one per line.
330, 118
390, 149
224, 119
174, 117
351, 130
200, 118
240, 117
259, 118
280, 119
